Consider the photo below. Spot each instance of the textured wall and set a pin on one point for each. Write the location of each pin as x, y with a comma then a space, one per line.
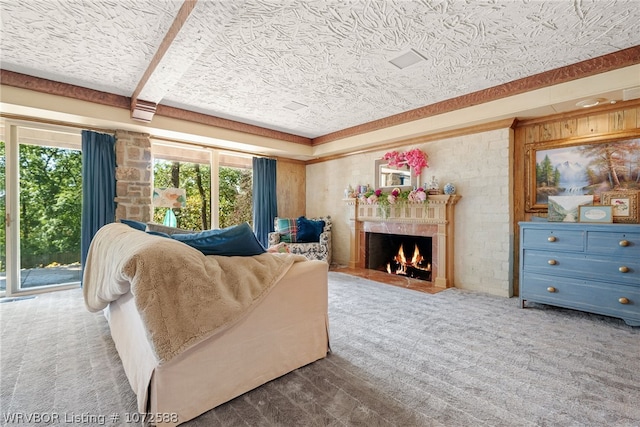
478, 165
291, 183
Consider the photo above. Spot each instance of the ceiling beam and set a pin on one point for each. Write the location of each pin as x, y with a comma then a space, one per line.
143, 110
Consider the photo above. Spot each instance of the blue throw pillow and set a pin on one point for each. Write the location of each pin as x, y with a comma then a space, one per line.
309, 230
152, 226
142, 226
237, 240
158, 233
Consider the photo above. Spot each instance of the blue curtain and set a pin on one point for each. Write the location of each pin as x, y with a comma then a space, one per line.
98, 185
265, 205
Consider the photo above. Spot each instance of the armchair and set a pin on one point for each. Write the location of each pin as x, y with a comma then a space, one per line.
286, 230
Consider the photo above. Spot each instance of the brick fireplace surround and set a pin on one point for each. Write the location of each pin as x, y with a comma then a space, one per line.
431, 219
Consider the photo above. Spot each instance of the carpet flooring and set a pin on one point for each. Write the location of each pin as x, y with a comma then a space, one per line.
399, 358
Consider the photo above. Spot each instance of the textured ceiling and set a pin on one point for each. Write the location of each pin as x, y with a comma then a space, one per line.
246, 60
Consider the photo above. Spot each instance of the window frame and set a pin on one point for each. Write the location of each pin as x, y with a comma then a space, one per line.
182, 152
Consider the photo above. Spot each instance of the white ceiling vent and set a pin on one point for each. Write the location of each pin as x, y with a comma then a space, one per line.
407, 59
295, 106
631, 93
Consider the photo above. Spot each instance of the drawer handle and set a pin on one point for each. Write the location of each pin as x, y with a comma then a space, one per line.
623, 269
551, 289
624, 243
552, 262
623, 300
551, 238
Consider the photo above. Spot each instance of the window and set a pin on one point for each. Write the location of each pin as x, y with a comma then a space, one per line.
235, 192
189, 168
195, 179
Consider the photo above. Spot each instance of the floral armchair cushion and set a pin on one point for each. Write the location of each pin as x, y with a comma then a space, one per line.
320, 249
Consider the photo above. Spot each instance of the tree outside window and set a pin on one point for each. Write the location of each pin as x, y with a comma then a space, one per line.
234, 193
235, 197
50, 205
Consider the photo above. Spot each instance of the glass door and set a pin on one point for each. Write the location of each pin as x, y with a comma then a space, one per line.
43, 176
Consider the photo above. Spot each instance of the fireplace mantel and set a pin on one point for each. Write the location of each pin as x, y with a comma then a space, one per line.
434, 218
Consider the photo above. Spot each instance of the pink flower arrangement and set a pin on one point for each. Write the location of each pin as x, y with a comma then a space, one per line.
394, 158
393, 196
415, 158
372, 197
418, 195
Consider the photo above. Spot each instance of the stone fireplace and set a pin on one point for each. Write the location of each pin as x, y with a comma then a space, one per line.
433, 219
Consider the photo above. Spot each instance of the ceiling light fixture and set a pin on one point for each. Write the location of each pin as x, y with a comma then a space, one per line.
295, 106
406, 59
591, 102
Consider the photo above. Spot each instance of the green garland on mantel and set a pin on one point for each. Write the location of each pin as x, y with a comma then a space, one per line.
395, 196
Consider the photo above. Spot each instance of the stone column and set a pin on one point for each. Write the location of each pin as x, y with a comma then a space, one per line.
134, 173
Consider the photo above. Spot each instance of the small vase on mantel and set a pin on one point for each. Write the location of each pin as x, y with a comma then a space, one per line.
433, 188
449, 188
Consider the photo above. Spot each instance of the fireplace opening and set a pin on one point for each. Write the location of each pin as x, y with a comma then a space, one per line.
409, 256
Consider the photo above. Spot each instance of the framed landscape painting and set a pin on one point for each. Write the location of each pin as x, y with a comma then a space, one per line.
560, 169
566, 208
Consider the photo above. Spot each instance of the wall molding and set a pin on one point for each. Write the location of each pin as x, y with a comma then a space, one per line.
601, 64
590, 67
423, 139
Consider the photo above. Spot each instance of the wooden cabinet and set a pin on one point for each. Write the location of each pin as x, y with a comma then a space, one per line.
588, 267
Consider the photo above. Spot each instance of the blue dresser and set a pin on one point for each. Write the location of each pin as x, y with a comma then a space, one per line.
588, 267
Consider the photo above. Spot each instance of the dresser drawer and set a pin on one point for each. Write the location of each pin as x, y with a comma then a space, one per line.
553, 239
616, 244
589, 267
587, 295
567, 264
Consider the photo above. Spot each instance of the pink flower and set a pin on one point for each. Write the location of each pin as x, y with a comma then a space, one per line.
394, 158
417, 195
378, 192
372, 199
415, 158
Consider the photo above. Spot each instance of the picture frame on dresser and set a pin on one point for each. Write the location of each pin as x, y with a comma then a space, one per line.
578, 167
595, 214
565, 208
624, 205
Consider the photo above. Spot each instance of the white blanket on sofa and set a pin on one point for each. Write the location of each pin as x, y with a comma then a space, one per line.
182, 295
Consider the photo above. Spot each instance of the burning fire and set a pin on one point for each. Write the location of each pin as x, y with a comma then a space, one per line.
407, 268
